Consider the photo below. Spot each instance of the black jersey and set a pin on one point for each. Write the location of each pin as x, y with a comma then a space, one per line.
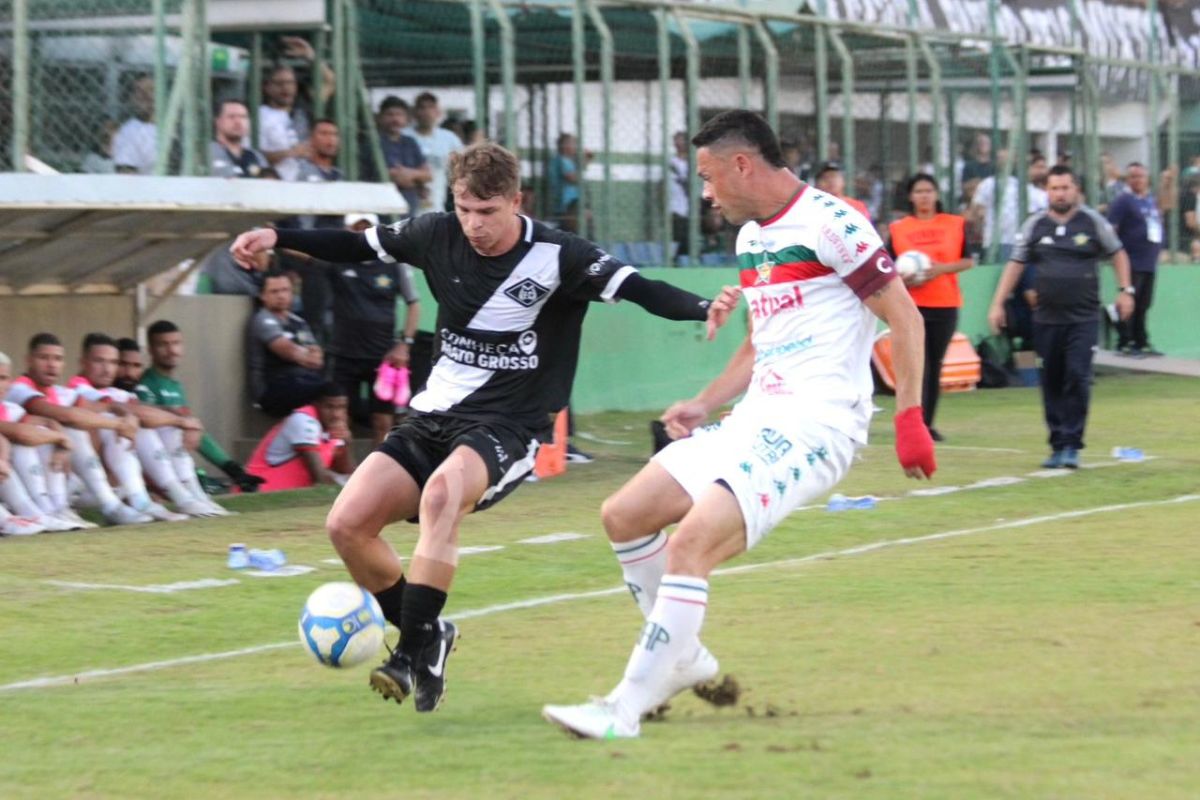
364, 307
508, 326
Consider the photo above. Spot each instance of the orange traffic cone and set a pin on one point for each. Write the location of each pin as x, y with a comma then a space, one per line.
552, 456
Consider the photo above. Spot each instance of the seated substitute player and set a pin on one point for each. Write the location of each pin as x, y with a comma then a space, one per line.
159, 386
36, 488
815, 275
38, 393
148, 453
512, 294
311, 446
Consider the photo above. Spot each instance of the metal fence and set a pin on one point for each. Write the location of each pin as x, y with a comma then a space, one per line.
82, 77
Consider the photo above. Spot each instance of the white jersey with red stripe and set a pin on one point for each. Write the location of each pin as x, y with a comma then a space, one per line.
23, 390
11, 412
110, 394
804, 274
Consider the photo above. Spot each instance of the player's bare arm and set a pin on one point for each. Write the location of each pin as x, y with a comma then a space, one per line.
914, 447
1121, 271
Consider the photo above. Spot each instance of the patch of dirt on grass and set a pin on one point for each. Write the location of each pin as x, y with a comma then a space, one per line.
719, 693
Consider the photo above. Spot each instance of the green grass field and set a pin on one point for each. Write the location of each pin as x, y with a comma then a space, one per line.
1055, 659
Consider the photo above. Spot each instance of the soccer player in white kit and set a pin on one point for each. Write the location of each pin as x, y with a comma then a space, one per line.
815, 276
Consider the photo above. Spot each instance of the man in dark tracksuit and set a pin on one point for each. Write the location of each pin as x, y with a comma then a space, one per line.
1065, 243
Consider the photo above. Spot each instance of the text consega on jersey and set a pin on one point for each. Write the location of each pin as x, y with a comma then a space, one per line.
488, 355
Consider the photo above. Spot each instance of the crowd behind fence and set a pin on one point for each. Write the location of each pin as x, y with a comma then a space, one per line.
88, 84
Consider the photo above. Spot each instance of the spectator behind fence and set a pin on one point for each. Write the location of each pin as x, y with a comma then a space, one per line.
984, 202
437, 144
406, 164
135, 144
159, 386
311, 446
285, 364
829, 178
364, 326
228, 154
680, 197
99, 160
566, 182
1136, 214
1188, 200
942, 237
978, 164
284, 122
1065, 244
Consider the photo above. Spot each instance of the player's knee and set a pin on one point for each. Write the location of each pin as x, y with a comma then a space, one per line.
686, 555
438, 498
621, 520
345, 529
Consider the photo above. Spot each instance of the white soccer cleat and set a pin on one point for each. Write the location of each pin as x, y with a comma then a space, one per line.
162, 514
598, 719
54, 524
700, 667
77, 522
122, 514
19, 526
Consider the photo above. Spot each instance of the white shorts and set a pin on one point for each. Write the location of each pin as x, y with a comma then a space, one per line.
771, 468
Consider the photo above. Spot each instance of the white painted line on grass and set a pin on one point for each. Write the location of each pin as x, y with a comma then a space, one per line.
551, 538
479, 548
65, 680
154, 588
980, 449
591, 437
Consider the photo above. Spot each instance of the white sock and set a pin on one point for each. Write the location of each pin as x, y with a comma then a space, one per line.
87, 466
27, 463
156, 463
672, 626
643, 562
124, 465
182, 461
14, 495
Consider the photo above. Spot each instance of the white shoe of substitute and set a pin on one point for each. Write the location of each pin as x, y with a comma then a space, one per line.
597, 719
79, 523
122, 514
162, 514
53, 523
19, 526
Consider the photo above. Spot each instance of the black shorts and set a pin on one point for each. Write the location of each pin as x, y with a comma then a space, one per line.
421, 442
352, 373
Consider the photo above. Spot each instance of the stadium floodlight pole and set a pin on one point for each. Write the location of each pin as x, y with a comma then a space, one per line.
479, 65
693, 111
20, 85
508, 73
160, 63
578, 66
605, 223
771, 84
664, 96
940, 159
847, 62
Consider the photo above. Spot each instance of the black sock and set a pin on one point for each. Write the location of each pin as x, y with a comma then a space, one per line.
391, 600
419, 618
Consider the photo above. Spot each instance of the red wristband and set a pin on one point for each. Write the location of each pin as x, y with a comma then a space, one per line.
914, 445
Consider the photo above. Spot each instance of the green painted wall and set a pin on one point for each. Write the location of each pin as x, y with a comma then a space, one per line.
630, 360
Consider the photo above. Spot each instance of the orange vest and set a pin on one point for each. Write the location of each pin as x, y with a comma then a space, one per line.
940, 238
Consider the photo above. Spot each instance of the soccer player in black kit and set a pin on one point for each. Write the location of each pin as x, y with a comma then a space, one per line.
512, 294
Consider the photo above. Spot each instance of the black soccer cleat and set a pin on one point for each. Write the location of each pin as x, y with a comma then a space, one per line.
429, 669
394, 678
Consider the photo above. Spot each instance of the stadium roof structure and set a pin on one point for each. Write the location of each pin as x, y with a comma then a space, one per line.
108, 233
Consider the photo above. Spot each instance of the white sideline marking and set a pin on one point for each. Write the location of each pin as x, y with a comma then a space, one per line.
64, 680
981, 449
551, 538
154, 588
591, 437
286, 571
479, 548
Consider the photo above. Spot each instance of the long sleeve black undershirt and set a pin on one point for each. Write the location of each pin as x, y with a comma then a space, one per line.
657, 297
662, 299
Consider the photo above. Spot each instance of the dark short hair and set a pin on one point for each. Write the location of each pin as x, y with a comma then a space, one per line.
827, 167
329, 389
125, 344
229, 101
159, 328
1133, 164
97, 340
1035, 158
922, 177
424, 98
488, 170
1062, 169
324, 121
745, 128
392, 101
42, 339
